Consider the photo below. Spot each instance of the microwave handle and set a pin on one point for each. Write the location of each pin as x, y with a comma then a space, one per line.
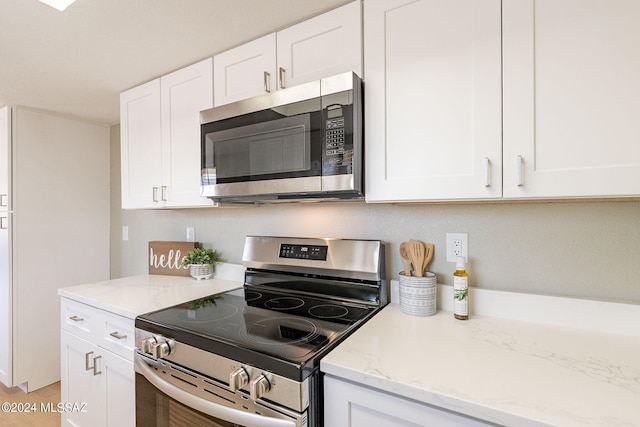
205, 406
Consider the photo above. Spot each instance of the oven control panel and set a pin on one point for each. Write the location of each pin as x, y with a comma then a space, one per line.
310, 252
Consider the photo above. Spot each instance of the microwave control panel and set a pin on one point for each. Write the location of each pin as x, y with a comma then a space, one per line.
337, 157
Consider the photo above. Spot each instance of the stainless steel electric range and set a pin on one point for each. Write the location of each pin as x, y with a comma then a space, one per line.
251, 356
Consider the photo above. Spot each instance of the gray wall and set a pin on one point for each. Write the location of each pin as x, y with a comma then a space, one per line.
577, 249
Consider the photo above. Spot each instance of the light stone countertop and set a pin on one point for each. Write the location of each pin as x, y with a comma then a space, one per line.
132, 296
506, 371
524, 371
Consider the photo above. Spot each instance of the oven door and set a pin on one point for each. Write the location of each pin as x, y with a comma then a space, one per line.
274, 148
167, 395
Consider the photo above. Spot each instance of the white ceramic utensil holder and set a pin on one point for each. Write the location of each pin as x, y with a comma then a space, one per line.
418, 294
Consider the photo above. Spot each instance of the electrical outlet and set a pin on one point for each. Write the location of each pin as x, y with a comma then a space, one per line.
125, 233
457, 245
191, 234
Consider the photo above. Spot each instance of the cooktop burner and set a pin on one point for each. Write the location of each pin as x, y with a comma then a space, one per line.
290, 328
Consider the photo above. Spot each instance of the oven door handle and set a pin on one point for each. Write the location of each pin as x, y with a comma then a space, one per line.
210, 408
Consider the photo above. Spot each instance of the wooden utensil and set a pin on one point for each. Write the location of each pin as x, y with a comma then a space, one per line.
428, 254
417, 251
406, 260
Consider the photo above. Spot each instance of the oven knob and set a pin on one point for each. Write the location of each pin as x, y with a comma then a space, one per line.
147, 344
163, 349
259, 387
238, 379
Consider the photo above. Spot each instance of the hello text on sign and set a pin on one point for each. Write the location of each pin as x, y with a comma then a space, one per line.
165, 257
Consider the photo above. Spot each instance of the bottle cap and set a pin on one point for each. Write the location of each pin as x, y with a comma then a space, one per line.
460, 263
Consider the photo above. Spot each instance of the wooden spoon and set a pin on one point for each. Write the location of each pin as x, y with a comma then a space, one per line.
417, 251
406, 260
428, 255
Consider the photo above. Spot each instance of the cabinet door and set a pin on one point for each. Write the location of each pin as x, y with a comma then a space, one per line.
571, 91
6, 365
140, 143
432, 99
6, 306
350, 405
323, 46
120, 395
184, 93
5, 156
80, 383
245, 71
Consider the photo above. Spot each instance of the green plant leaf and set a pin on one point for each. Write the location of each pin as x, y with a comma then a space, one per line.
202, 256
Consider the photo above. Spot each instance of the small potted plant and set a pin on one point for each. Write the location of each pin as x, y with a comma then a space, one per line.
201, 262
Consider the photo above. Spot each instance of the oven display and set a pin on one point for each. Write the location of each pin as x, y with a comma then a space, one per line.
314, 253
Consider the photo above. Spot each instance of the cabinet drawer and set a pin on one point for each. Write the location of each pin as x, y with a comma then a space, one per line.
116, 334
77, 318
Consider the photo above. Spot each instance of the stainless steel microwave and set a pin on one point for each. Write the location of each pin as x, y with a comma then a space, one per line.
303, 142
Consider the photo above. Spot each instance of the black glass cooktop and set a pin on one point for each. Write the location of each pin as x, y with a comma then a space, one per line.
259, 325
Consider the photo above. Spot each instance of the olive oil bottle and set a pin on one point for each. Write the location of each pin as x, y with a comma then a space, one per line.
460, 291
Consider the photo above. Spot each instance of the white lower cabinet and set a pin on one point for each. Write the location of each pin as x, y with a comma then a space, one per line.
351, 405
97, 384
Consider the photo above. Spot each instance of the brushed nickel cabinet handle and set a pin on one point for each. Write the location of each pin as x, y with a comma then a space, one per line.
95, 364
266, 82
281, 77
87, 356
520, 170
487, 172
164, 193
76, 318
118, 335
4, 223
155, 194
3, 199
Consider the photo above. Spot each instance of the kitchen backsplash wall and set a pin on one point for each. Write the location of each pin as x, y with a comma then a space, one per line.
577, 249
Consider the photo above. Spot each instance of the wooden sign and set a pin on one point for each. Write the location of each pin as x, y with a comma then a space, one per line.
165, 257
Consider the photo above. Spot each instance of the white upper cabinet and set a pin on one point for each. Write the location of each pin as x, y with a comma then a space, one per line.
183, 94
322, 46
140, 144
160, 139
5, 156
571, 91
432, 99
245, 71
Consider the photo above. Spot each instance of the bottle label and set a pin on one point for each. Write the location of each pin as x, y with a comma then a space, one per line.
460, 293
